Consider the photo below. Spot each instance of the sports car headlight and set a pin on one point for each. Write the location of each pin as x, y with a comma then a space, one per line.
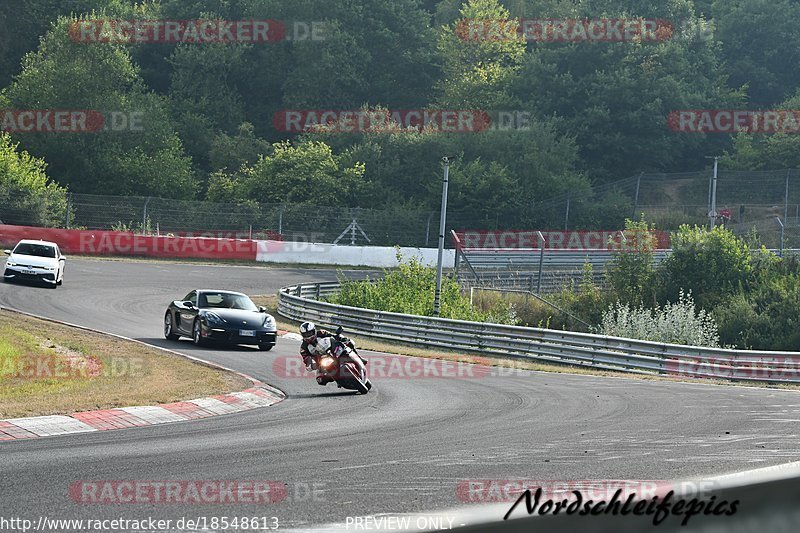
269, 322
214, 319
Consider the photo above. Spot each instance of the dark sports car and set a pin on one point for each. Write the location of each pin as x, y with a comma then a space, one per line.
224, 316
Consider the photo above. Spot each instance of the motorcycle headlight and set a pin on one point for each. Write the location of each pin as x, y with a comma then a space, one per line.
214, 319
326, 362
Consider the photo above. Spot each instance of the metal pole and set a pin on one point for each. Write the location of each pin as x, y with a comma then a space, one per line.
541, 262
566, 216
786, 198
636, 200
144, 216
708, 203
69, 210
442, 222
713, 213
781, 223
280, 221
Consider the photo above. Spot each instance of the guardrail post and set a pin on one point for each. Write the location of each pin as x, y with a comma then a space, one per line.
298, 290
318, 291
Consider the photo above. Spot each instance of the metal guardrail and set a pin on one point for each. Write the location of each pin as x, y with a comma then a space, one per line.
552, 280
552, 259
557, 259
301, 302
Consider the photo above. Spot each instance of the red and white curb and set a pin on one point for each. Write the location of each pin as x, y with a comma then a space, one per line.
260, 395
145, 415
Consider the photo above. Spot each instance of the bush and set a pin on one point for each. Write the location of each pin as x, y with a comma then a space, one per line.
631, 274
676, 323
410, 290
710, 264
574, 305
767, 318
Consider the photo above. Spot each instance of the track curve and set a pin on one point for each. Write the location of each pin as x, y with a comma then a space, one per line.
402, 448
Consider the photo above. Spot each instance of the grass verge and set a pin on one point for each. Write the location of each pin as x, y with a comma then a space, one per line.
47, 369
378, 345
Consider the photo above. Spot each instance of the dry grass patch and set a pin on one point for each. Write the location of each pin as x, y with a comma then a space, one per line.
47, 369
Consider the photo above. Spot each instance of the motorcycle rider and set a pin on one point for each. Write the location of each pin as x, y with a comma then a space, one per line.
309, 349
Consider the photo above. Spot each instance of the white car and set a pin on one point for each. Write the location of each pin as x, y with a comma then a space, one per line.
39, 261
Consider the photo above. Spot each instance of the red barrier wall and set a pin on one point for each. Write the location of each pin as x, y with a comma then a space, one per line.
91, 242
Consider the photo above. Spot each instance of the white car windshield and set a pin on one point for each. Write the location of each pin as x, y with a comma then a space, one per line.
226, 300
38, 250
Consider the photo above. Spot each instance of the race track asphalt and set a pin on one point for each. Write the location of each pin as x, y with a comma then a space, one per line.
405, 447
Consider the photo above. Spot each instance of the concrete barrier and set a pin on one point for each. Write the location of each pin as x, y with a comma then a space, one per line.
101, 242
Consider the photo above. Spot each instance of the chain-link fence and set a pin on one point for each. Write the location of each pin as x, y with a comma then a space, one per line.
768, 201
253, 220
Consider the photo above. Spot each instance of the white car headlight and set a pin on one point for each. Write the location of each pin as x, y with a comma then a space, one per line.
10, 264
269, 321
214, 319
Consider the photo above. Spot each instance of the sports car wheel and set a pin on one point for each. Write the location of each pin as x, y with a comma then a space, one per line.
265, 347
197, 339
168, 334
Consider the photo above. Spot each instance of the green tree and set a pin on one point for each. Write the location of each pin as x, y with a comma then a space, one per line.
615, 97
759, 151
761, 46
27, 195
234, 151
478, 69
146, 159
307, 172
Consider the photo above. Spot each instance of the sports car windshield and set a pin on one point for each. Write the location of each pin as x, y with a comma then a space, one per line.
38, 250
226, 300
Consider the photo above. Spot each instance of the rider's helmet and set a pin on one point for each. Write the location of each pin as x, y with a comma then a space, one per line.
309, 331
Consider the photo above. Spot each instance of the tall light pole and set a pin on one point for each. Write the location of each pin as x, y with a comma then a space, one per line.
442, 221
713, 213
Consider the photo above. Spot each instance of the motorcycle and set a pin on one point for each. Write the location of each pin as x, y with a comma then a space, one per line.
343, 364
